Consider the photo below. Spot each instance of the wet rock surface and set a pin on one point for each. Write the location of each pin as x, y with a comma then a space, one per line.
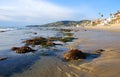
24, 49
99, 51
74, 54
3, 58
48, 44
35, 41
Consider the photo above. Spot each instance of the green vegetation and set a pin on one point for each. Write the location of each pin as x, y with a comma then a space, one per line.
63, 23
35, 41
67, 39
47, 44
54, 38
68, 34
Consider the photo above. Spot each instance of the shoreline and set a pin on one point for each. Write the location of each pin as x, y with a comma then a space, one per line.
88, 41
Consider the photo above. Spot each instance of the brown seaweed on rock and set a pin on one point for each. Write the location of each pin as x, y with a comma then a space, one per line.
35, 41
74, 54
48, 44
54, 38
23, 49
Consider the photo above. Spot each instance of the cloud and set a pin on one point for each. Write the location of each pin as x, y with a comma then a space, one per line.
32, 11
42, 11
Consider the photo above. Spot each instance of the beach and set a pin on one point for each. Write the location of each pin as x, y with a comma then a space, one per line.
59, 38
109, 27
89, 40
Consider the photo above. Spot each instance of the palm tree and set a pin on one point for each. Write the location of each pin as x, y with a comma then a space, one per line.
111, 14
101, 15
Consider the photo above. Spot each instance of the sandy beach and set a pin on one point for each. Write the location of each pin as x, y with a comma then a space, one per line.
111, 27
106, 65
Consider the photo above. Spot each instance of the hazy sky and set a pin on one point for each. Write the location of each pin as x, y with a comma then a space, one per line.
25, 12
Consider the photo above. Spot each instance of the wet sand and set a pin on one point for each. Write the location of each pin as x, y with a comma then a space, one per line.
107, 65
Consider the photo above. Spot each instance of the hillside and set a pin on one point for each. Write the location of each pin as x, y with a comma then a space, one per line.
63, 23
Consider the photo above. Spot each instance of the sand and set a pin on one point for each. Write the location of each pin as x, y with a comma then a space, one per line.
107, 65
112, 27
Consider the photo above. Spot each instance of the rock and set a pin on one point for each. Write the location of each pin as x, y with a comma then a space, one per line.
35, 33
74, 54
3, 58
14, 48
100, 51
2, 31
23, 49
35, 41
48, 44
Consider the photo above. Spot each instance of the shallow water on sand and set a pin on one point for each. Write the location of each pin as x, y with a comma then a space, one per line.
35, 65
16, 63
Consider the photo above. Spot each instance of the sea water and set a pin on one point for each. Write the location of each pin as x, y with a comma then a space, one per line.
14, 37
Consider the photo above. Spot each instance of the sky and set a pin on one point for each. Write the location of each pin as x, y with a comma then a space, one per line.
30, 12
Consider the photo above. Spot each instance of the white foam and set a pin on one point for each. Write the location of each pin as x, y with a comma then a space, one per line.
6, 29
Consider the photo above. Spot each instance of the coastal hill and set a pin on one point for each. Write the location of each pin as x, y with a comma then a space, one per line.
63, 23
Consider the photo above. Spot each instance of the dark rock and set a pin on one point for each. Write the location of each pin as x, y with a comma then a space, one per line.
50, 43
74, 54
47, 44
35, 41
100, 51
14, 48
3, 58
23, 49
35, 33
2, 31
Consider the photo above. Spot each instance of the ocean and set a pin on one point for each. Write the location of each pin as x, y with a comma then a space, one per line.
14, 37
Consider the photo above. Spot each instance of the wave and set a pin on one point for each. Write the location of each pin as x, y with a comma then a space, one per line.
6, 29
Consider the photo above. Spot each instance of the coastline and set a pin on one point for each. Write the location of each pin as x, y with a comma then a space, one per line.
107, 65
